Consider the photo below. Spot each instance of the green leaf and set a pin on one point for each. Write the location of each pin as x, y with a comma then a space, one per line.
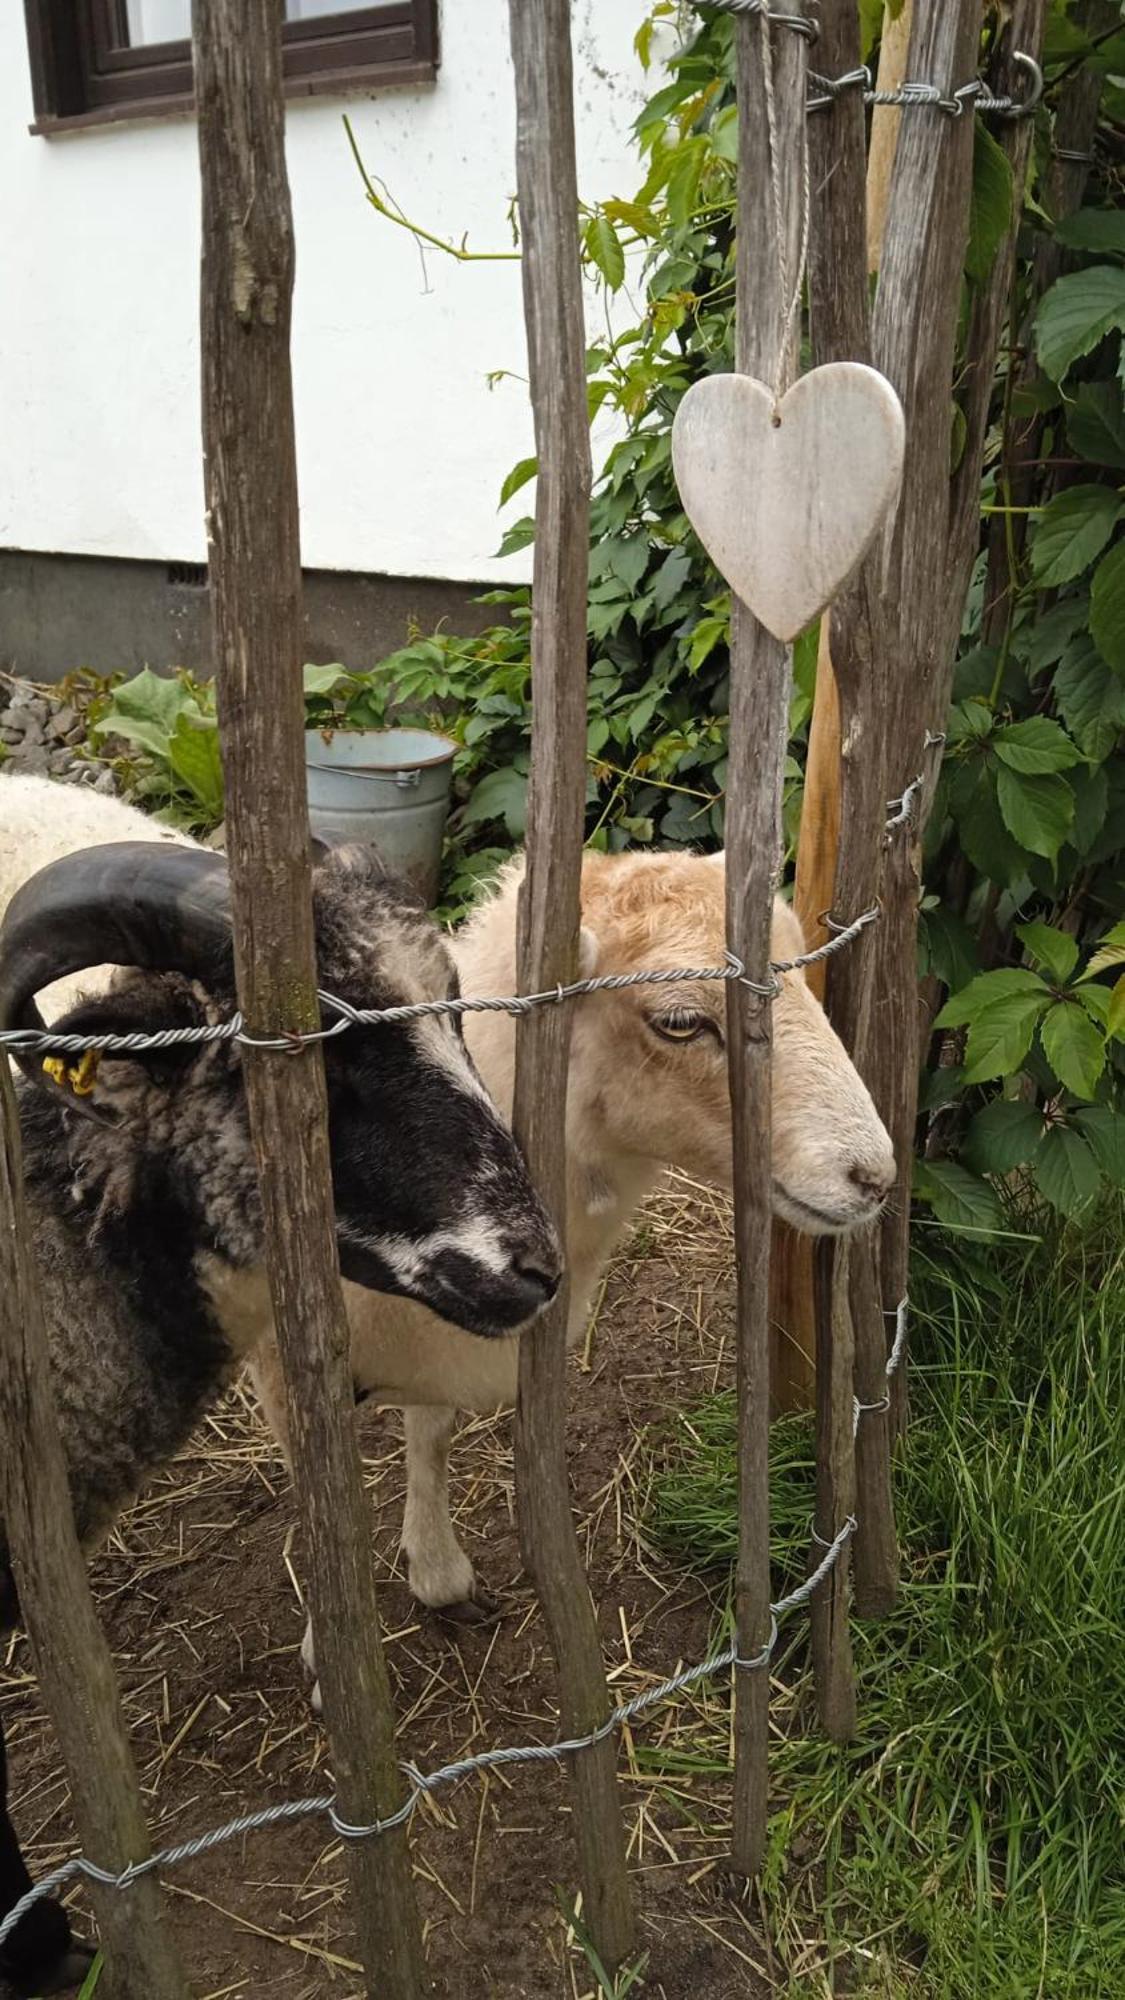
1111, 951
1095, 999
1104, 1130
1107, 607
519, 536
1066, 1171
517, 477
707, 634
628, 559
1071, 533
971, 1002
1004, 1135
1090, 698
958, 1198
990, 212
500, 795
1095, 423
1046, 638
1101, 230
603, 247
1034, 745
1000, 1038
1038, 811
1091, 798
146, 709
1077, 313
1073, 1046
193, 753
670, 578
1115, 1019
1055, 951
983, 834
322, 680
135, 729
950, 947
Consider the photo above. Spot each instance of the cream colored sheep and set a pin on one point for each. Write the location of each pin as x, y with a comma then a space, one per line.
647, 1089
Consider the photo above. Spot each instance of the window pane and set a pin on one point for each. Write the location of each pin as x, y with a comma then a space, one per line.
311, 10
148, 21
157, 21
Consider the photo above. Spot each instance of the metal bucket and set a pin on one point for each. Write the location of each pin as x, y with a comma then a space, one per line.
387, 786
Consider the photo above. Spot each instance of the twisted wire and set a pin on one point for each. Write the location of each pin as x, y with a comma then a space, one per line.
233, 1030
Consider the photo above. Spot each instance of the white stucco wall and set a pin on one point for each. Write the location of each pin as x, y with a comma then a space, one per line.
402, 445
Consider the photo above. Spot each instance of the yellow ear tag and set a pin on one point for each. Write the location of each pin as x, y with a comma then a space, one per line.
81, 1077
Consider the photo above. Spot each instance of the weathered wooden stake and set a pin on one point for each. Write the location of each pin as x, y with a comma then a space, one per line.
247, 282
549, 913
844, 182
914, 333
758, 734
840, 322
72, 1660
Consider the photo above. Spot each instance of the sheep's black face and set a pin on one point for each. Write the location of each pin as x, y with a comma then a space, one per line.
433, 1199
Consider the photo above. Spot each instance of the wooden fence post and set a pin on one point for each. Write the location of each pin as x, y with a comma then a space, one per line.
840, 324
549, 914
72, 1659
914, 335
247, 281
758, 734
848, 183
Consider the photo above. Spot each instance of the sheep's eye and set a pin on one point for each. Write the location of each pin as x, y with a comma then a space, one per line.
682, 1026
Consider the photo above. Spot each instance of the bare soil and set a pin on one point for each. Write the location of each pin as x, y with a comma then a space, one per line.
199, 1593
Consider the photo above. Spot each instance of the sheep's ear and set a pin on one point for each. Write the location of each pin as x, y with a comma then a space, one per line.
587, 953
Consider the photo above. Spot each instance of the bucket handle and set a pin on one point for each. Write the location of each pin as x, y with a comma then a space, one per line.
407, 780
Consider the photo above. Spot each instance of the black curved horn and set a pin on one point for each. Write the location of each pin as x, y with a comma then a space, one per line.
135, 902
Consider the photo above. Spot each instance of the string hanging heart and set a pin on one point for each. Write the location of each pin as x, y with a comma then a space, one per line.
787, 489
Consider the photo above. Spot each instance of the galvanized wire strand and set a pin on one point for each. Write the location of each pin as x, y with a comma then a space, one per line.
48, 1040
953, 102
421, 1783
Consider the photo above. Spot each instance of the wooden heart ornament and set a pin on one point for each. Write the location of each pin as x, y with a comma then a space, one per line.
788, 509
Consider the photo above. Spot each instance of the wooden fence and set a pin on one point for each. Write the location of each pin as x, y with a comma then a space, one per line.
890, 644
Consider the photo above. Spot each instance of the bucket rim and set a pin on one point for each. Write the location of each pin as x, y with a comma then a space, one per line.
444, 755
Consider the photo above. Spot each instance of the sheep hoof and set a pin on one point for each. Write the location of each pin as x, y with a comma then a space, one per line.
482, 1608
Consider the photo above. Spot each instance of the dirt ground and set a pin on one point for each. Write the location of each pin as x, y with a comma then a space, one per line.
199, 1594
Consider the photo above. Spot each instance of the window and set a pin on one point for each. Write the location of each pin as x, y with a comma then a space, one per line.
93, 61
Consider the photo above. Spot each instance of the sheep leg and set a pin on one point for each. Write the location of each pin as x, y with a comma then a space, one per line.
40, 1956
439, 1572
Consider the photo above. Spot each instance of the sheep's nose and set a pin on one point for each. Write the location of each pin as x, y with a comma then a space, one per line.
538, 1282
873, 1179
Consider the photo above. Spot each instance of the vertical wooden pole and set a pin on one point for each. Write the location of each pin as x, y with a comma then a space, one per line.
846, 184
894, 48
549, 913
758, 734
840, 324
72, 1660
914, 334
251, 479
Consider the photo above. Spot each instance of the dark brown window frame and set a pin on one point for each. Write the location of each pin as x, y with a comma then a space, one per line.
80, 78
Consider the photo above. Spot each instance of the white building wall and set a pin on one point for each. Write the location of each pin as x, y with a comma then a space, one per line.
402, 444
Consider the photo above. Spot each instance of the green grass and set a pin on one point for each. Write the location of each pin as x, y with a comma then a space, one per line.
91, 1981
972, 1840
